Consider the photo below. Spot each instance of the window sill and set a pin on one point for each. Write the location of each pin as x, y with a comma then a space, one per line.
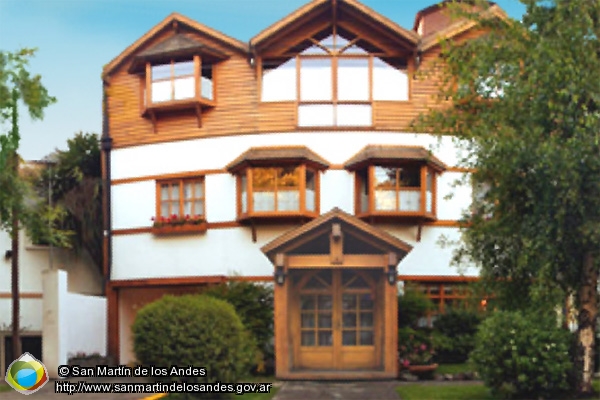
398, 216
177, 105
277, 216
185, 229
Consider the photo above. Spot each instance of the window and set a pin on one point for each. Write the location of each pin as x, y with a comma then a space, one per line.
445, 296
177, 81
408, 188
271, 190
334, 82
183, 198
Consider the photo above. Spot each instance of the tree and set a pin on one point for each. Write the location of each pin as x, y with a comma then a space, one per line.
16, 85
75, 182
525, 109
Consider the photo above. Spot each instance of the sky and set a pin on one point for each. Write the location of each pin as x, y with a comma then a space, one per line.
76, 38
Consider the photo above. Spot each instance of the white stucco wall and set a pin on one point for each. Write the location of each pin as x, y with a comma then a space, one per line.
231, 250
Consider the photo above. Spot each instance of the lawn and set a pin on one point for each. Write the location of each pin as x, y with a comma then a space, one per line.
453, 368
4, 387
419, 391
474, 391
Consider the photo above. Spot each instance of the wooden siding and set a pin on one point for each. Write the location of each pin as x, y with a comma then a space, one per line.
238, 109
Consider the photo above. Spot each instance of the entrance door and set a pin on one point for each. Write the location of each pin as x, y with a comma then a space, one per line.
336, 319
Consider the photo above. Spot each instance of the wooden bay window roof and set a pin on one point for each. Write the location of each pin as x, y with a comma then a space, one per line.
178, 46
261, 156
378, 153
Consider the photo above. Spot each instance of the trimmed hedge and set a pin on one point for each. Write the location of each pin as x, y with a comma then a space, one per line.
196, 330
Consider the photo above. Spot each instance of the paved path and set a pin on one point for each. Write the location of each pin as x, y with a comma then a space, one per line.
306, 390
48, 391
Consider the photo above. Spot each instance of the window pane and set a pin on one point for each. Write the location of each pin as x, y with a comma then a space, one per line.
310, 190
389, 83
307, 321
385, 178
244, 184
263, 184
308, 338
161, 72
207, 88
184, 88
349, 338
366, 338
315, 79
187, 191
410, 200
353, 79
288, 200
198, 207
279, 84
164, 192
325, 320
175, 191
199, 189
287, 177
385, 200
161, 91
164, 209
185, 68
410, 177
349, 320
354, 115
315, 115
325, 338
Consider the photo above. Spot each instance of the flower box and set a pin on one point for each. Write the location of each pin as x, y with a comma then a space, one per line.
185, 229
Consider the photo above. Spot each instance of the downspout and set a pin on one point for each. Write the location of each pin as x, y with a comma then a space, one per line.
106, 146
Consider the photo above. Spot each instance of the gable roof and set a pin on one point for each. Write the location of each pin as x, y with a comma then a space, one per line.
316, 7
288, 240
174, 18
458, 27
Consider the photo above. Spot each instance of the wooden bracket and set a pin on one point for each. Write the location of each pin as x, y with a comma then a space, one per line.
199, 115
153, 119
419, 229
253, 230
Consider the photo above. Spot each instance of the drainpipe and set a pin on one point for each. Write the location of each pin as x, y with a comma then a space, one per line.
106, 146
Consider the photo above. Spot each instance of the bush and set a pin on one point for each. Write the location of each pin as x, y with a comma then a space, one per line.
518, 355
194, 330
454, 334
412, 305
254, 305
414, 347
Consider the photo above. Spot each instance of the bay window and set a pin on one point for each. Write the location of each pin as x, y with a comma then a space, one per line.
395, 181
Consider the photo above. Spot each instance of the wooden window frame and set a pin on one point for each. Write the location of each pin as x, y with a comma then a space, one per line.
334, 56
302, 210
181, 182
370, 184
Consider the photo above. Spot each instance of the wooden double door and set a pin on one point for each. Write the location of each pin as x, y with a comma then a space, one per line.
336, 319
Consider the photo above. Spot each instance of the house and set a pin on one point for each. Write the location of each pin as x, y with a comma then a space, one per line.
61, 304
288, 159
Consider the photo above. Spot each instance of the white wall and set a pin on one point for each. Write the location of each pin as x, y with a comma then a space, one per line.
71, 322
223, 251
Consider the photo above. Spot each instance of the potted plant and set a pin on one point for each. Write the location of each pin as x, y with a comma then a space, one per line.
176, 224
415, 353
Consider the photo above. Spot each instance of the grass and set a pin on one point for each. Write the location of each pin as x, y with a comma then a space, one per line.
453, 368
4, 387
473, 391
446, 392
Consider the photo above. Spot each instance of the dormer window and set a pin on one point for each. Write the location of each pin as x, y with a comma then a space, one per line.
395, 181
277, 182
177, 76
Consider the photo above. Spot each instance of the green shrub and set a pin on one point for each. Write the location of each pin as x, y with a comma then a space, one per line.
194, 330
520, 355
413, 305
414, 347
454, 334
254, 305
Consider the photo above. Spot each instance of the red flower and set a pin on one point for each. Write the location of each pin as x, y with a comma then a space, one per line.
405, 363
187, 216
423, 347
152, 219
